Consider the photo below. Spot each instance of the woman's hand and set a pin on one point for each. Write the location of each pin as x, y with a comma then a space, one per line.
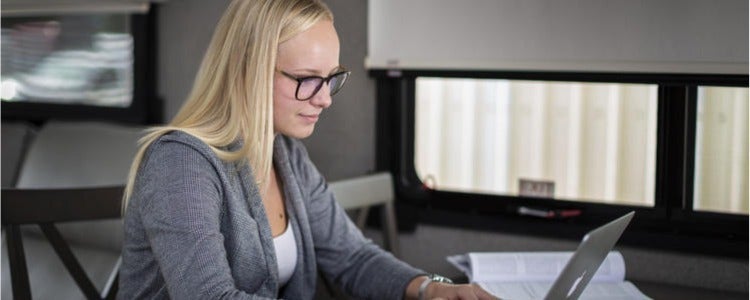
447, 291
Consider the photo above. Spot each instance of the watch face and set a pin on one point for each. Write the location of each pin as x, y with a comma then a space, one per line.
438, 278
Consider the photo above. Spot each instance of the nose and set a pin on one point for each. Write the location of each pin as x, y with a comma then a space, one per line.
323, 98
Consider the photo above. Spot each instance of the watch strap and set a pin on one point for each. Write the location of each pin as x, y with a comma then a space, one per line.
430, 279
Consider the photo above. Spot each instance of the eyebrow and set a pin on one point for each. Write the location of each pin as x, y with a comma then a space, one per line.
315, 72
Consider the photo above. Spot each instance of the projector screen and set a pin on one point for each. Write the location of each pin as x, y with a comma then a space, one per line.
664, 36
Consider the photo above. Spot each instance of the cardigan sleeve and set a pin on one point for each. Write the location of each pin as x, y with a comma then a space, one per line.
181, 205
344, 255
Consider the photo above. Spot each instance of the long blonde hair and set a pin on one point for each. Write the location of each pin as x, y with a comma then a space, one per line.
232, 96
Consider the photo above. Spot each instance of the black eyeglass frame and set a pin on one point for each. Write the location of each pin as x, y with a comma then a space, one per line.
317, 88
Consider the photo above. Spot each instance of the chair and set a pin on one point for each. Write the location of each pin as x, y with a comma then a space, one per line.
359, 194
71, 179
15, 139
363, 192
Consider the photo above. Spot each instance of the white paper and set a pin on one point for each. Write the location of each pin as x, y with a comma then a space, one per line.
536, 266
529, 275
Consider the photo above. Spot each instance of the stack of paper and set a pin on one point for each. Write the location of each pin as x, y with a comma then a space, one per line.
529, 275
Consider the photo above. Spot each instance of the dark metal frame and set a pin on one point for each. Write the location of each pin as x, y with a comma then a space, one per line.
45, 207
670, 224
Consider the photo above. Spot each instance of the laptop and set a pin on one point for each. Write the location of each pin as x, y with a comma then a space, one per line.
586, 260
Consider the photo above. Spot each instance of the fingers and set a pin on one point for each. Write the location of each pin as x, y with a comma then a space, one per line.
467, 292
482, 294
461, 292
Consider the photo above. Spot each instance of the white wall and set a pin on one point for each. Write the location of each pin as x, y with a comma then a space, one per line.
586, 35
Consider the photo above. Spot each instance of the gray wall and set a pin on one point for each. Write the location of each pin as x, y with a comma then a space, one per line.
184, 30
344, 146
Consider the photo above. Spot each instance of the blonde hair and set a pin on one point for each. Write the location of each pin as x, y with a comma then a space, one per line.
232, 96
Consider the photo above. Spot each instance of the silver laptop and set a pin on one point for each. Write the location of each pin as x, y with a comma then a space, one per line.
586, 260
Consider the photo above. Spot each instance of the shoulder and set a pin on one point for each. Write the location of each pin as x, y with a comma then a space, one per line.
178, 165
179, 140
178, 153
179, 146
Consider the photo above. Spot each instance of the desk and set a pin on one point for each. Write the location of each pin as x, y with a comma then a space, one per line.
661, 291
664, 291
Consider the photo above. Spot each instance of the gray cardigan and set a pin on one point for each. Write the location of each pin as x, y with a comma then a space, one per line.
195, 228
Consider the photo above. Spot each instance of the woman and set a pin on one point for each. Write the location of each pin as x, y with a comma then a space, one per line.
224, 202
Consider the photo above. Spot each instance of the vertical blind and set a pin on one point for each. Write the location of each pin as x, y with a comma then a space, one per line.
721, 150
595, 142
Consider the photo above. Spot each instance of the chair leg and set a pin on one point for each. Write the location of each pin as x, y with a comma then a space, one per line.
110, 288
111, 292
389, 229
19, 275
362, 214
71, 263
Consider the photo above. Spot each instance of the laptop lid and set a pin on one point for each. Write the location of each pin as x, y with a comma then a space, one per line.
590, 254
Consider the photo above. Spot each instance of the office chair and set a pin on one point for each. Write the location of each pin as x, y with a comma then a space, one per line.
360, 194
363, 192
73, 174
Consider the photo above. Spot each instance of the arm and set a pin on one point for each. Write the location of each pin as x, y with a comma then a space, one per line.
361, 267
181, 202
342, 252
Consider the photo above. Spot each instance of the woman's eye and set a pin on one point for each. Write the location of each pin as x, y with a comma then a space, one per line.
312, 81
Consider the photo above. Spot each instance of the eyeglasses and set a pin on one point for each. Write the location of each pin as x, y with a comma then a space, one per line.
308, 86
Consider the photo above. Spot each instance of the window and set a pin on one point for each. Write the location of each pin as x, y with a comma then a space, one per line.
589, 141
68, 59
84, 65
721, 154
465, 146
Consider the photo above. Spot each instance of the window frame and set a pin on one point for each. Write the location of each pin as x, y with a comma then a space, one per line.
670, 225
145, 108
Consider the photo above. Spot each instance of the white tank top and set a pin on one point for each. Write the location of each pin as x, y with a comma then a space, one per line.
286, 254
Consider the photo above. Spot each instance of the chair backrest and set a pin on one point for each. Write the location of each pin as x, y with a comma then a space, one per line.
15, 140
78, 155
72, 172
366, 191
363, 191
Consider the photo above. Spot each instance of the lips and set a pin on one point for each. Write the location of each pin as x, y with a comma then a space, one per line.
310, 118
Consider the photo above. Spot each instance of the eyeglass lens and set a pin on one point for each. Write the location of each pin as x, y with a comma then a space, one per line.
309, 86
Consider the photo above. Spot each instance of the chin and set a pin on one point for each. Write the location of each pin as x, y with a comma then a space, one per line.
299, 133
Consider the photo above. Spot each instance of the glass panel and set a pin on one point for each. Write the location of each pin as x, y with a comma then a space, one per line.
567, 140
721, 150
85, 59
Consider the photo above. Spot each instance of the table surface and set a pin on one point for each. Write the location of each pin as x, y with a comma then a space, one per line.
664, 291
661, 291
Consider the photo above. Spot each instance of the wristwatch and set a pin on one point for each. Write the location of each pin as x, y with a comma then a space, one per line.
430, 279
